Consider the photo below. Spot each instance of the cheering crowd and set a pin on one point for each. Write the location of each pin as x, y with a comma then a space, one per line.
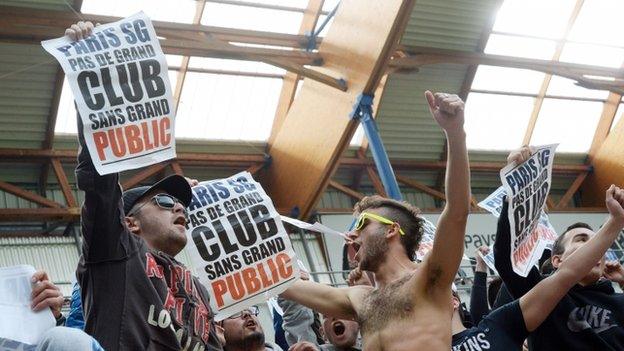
133, 295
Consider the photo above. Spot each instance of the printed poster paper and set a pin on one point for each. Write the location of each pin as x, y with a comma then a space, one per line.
119, 78
527, 186
238, 244
19, 323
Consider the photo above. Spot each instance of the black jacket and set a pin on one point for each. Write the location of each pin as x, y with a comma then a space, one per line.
587, 318
134, 298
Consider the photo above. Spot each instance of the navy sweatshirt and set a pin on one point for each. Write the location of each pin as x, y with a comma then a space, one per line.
587, 318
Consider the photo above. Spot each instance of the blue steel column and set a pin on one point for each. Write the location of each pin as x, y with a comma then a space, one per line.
363, 111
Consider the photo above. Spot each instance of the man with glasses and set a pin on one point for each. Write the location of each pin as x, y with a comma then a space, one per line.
242, 332
409, 306
135, 295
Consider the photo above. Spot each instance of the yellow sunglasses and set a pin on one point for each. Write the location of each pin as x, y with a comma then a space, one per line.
361, 220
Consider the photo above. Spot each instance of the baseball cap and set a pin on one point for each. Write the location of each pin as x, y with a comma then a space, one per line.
174, 185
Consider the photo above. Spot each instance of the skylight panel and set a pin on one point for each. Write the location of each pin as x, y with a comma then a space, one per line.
243, 17
570, 123
599, 22
560, 86
234, 65
507, 80
520, 47
541, 18
181, 11
219, 107
589, 54
496, 122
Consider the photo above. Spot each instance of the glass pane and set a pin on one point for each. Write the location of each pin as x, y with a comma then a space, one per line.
219, 107
233, 65
507, 80
288, 3
570, 123
496, 122
520, 47
157, 10
560, 86
592, 55
541, 18
243, 17
174, 60
599, 22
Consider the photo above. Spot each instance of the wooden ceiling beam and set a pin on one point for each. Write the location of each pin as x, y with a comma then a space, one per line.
305, 150
28, 195
39, 214
572, 190
23, 19
61, 177
422, 187
346, 190
292, 79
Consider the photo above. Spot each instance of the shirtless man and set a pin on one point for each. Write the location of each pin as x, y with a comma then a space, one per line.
408, 307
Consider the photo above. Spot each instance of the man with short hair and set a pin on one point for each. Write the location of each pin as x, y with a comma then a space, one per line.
591, 315
135, 294
242, 332
506, 327
409, 306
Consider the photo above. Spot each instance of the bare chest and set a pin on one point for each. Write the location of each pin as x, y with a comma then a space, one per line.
380, 306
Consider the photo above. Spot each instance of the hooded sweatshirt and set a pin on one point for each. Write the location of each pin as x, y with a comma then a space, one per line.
587, 318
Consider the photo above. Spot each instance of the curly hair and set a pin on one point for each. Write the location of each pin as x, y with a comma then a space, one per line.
401, 212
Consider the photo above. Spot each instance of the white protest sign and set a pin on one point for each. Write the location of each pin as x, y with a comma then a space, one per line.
489, 259
238, 244
19, 322
426, 242
316, 227
120, 81
527, 186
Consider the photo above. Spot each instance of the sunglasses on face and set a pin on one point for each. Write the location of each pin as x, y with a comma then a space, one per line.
252, 311
164, 201
360, 222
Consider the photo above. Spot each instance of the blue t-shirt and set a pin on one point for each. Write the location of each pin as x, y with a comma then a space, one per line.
502, 329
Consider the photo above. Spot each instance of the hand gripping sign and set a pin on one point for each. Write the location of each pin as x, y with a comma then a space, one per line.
527, 186
120, 81
494, 204
238, 244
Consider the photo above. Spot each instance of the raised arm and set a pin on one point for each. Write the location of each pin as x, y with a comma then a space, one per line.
443, 260
537, 304
102, 228
336, 302
478, 295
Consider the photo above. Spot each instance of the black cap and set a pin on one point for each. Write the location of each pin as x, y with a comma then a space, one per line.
174, 185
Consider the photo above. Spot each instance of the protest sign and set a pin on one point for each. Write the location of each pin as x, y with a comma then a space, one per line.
120, 81
527, 186
489, 259
19, 323
238, 244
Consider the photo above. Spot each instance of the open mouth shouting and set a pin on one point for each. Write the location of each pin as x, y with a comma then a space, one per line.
338, 328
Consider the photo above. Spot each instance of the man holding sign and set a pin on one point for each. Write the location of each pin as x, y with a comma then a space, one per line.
409, 308
135, 295
591, 315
